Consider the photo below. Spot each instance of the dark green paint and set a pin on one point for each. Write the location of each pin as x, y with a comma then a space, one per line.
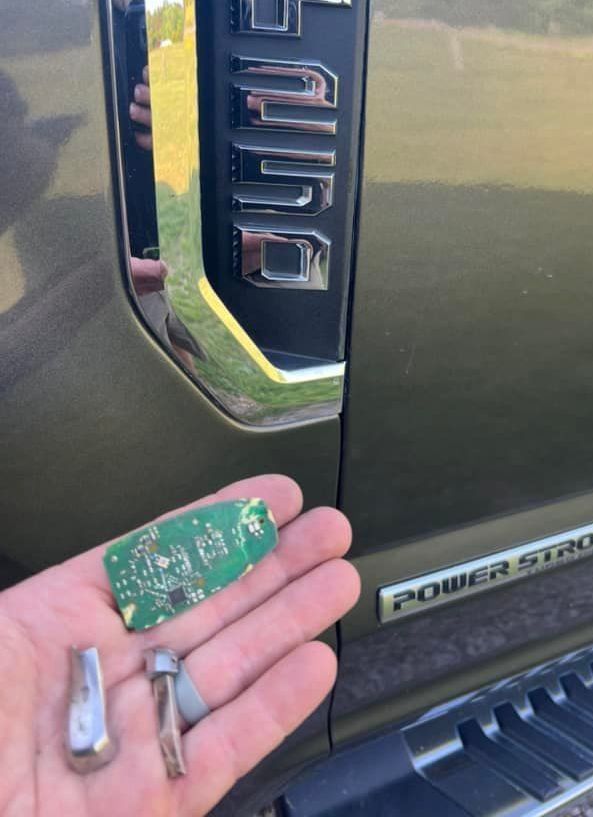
470, 377
471, 373
99, 430
95, 418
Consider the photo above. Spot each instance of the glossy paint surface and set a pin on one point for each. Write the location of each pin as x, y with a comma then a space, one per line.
470, 394
224, 360
471, 376
99, 430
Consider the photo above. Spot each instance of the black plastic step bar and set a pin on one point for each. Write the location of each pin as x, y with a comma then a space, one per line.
523, 747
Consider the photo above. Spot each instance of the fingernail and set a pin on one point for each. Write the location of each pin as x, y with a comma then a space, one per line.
137, 93
133, 109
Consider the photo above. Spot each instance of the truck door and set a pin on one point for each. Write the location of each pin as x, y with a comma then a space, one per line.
110, 415
468, 425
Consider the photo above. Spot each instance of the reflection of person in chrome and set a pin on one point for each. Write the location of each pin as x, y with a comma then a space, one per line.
148, 275
316, 97
140, 112
148, 278
253, 246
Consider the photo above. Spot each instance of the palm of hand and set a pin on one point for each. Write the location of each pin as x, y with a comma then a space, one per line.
247, 650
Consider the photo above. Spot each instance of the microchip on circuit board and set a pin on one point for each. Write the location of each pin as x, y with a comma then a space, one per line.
170, 566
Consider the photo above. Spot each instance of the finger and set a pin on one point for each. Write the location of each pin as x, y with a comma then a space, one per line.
282, 495
142, 95
316, 537
231, 741
231, 661
141, 115
147, 275
143, 140
148, 266
145, 78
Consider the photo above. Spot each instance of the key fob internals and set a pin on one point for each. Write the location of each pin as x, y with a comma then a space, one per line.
170, 566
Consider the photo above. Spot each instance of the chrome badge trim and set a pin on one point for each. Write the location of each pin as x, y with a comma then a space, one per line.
286, 20
282, 180
284, 96
429, 590
221, 357
313, 250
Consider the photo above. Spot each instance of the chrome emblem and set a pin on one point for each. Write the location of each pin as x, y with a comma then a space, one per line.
284, 96
268, 176
285, 259
281, 96
425, 592
253, 17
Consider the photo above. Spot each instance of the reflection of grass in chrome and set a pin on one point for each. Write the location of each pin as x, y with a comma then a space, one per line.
241, 378
168, 91
228, 369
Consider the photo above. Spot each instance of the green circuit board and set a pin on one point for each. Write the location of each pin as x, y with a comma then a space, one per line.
168, 567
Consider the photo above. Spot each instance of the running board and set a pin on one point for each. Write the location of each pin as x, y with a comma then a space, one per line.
521, 747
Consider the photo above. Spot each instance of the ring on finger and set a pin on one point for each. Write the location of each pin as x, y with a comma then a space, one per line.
192, 707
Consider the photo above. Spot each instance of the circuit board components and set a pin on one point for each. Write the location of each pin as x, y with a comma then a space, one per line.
170, 566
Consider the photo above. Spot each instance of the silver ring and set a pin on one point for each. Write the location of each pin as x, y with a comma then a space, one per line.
192, 707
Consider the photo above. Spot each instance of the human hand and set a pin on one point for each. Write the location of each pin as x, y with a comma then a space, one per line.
140, 112
251, 250
148, 275
247, 649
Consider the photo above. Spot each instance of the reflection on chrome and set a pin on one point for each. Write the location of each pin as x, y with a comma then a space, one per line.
282, 95
276, 180
173, 290
249, 16
284, 259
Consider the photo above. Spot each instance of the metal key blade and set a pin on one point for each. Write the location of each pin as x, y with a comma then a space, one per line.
168, 717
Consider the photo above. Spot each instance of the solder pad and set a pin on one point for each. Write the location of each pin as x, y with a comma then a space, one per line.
168, 567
